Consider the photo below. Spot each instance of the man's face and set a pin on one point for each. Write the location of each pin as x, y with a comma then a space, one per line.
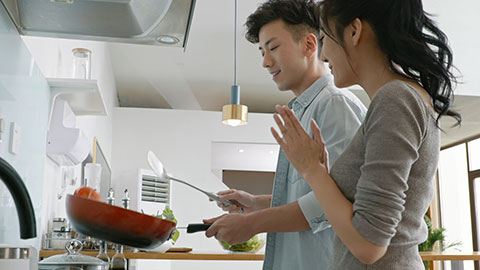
283, 57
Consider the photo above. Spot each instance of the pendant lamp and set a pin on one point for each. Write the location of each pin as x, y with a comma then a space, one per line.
235, 114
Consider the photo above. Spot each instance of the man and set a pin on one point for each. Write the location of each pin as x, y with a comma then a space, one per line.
299, 234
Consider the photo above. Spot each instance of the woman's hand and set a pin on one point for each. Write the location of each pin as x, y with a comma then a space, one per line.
305, 154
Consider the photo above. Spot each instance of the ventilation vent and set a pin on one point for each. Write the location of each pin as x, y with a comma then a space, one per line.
155, 190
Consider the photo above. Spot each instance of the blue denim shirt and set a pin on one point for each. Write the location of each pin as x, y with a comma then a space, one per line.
338, 113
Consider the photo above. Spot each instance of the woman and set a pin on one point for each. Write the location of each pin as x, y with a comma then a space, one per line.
377, 192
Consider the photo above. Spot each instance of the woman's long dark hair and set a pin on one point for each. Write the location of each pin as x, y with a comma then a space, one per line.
408, 37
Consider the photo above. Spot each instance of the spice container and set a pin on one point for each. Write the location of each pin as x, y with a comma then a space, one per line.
102, 252
119, 262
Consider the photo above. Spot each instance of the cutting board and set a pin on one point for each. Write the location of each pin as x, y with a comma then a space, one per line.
179, 249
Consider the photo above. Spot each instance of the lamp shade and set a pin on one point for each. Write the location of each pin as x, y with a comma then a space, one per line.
235, 114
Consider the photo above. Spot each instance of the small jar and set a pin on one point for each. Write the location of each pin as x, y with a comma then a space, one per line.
81, 63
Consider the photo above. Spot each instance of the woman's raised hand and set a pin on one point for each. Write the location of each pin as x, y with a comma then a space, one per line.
305, 153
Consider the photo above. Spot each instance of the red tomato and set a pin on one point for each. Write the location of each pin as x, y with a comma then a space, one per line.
88, 192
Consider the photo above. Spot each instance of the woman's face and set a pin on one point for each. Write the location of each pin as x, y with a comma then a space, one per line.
338, 62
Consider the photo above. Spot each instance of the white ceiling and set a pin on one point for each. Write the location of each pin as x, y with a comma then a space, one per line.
200, 77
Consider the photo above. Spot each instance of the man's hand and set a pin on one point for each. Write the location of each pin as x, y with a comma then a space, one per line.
231, 228
241, 201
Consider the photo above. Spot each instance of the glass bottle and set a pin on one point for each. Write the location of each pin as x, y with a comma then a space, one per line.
81, 66
92, 175
119, 262
102, 252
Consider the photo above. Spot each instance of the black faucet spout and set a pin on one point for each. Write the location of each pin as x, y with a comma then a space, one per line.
23, 203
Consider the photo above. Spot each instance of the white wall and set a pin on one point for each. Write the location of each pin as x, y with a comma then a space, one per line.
55, 60
243, 157
24, 96
458, 19
182, 141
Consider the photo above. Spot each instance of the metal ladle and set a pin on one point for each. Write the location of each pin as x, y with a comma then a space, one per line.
159, 170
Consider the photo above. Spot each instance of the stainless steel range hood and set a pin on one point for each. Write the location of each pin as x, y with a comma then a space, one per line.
153, 22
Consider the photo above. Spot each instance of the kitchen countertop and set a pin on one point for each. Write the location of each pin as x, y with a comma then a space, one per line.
192, 255
205, 255
450, 256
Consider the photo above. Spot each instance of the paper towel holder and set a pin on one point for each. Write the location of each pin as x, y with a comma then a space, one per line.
66, 144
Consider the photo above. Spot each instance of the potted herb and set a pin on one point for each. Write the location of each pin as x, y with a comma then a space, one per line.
434, 236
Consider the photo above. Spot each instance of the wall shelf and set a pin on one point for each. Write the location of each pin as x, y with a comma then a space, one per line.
83, 96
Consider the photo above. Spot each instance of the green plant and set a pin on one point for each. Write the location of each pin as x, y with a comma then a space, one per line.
168, 215
434, 236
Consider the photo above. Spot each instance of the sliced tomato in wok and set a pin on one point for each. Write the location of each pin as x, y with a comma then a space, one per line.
115, 224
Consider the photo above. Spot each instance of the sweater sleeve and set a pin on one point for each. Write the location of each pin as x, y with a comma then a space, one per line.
393, 131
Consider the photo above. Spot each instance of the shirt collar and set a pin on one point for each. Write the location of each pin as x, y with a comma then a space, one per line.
311, 92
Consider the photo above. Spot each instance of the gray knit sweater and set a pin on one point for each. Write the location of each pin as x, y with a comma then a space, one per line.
387, 173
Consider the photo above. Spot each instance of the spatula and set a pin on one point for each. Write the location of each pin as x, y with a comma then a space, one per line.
159, 170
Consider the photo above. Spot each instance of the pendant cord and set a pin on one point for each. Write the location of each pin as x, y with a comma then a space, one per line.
235, 47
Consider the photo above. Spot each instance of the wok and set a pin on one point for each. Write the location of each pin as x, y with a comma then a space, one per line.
115, 224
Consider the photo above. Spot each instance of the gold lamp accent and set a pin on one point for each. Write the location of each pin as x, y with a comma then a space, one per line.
235, 114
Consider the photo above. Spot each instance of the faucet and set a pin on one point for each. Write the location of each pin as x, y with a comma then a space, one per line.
15, 185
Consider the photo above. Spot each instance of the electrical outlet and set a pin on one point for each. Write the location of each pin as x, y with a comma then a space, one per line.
14, 138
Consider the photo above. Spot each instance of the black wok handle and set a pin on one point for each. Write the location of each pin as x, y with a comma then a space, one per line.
197, 227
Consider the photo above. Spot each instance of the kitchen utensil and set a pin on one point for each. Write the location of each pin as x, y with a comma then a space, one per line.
159, 170
60, 224
196, 227
116, 224
73, 259
57, 240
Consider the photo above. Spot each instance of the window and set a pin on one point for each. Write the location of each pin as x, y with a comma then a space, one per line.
459, 197
454, 197
476, 187
474, 155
